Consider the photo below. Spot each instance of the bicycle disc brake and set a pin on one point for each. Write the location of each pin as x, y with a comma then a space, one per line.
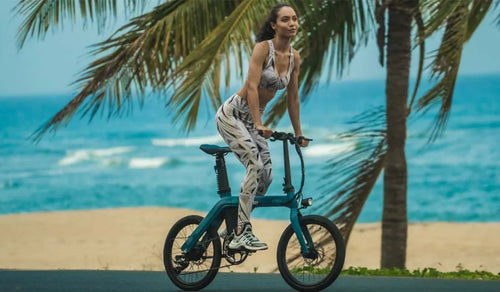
317, 256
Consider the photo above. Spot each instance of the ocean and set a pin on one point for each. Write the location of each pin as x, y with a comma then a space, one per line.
141, 159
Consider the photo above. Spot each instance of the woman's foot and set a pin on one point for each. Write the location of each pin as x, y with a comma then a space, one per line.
247, 240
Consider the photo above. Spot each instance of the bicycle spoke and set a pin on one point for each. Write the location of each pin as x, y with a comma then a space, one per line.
311, 271
195, 269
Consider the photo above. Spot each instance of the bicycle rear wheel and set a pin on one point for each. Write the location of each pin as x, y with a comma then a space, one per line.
196, 269
322, 266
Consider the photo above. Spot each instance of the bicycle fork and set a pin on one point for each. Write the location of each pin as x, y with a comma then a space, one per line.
303, 235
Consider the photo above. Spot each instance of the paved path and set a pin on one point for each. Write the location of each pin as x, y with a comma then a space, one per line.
123, 281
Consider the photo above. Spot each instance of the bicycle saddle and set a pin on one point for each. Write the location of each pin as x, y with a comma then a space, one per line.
214, 149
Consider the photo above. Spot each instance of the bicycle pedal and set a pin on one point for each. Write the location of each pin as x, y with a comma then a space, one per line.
242, 249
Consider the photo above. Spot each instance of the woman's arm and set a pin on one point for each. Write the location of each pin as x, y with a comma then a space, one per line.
259, 56
293, 100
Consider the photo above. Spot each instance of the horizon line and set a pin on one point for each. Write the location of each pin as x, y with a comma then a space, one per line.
321, 83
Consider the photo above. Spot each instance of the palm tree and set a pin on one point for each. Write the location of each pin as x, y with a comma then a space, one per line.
460, 19
184, 45
384, 140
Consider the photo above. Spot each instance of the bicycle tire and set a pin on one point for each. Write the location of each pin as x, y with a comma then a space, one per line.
328, 274
170, 256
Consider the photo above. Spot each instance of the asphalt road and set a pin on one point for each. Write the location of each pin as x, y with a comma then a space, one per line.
41, 281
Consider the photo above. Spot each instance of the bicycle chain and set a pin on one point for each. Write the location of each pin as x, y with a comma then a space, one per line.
206, 270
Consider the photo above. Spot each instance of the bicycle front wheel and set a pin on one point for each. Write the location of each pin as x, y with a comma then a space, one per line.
318, 269
196, 269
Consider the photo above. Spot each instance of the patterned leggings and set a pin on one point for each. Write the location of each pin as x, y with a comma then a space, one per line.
235, 125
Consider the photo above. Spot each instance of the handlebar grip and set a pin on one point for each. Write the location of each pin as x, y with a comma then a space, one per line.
300, 138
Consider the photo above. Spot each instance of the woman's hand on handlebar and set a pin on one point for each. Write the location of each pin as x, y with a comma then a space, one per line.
264, 131
303, 141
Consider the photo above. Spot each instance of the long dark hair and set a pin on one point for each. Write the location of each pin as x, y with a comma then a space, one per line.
267, 32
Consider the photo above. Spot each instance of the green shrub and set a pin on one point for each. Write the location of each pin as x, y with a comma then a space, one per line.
460, 273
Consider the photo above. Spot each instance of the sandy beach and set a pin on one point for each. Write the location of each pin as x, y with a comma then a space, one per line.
132, 239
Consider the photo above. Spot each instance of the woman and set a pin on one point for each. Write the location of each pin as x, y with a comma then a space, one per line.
274, 65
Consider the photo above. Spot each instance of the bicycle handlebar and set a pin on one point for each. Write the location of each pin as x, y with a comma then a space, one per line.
283, 136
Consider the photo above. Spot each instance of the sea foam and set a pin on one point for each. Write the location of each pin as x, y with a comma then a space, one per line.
76, 156
328, 150
196, 141
147, 162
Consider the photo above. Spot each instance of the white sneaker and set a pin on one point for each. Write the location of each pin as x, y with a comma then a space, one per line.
246, 240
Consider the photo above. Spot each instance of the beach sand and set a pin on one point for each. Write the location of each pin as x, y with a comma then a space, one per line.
132, 239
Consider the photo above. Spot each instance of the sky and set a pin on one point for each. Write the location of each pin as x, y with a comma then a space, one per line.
49, 66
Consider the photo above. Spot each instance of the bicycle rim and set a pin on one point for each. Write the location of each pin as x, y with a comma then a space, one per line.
196, 270
315, 272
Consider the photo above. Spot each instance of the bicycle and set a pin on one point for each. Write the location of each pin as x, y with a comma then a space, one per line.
310, 253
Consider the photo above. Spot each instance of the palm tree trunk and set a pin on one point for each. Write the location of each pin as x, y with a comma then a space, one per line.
394, 218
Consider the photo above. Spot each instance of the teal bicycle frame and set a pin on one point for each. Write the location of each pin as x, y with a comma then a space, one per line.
222, 210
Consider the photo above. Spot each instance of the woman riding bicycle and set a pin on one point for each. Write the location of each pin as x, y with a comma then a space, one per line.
274, 65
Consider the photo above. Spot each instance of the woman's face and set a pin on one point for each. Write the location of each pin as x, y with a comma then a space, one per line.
287, 22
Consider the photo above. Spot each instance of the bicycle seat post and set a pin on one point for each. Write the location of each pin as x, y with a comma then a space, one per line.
224, 190
221, 172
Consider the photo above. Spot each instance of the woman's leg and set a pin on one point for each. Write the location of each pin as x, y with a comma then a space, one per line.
266, 174
234, 125
240, 141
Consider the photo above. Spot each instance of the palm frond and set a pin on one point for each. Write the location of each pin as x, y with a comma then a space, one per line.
333, 40
460, 25
436, 14
42, 15
141, 54
198, 72
478, 11
349, 178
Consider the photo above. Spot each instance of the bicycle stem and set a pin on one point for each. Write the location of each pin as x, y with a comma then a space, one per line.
285, 137
287, 186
